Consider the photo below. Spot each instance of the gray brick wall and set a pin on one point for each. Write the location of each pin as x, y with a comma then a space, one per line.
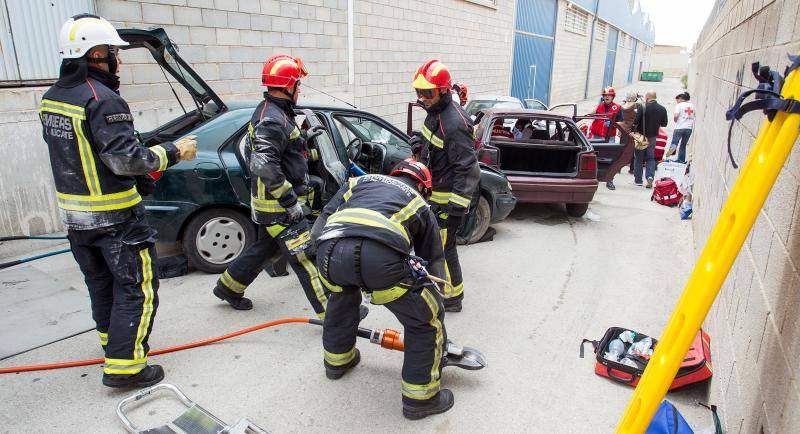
754, 322
392, 39
570, 61
227, 41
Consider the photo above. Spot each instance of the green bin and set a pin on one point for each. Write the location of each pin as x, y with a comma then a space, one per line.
652, 76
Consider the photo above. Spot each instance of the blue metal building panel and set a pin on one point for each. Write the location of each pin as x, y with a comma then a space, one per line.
537, 16
633, 60
533, 65
611, 56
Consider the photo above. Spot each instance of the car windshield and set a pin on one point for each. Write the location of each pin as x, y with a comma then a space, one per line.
367, 130
529, 129
476, 106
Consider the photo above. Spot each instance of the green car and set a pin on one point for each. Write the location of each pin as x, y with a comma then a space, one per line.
205, 204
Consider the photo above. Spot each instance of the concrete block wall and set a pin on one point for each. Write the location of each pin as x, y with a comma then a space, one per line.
570, 61
227, 42
754, 322
392, 39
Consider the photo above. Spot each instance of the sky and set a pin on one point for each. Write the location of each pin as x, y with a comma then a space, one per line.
678, 22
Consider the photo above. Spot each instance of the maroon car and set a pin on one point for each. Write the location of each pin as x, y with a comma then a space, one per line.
545, 156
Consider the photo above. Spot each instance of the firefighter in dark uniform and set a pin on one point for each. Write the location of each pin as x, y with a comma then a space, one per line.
447, 148
363, 238
277, 157
100, 170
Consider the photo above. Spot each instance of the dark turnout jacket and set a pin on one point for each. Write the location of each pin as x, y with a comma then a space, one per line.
449, 153
648, 120
384, 209
276, 153
94, 154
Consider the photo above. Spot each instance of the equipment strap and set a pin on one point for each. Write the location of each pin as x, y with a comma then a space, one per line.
767, 98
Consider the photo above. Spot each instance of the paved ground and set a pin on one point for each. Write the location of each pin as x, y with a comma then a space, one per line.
532, 294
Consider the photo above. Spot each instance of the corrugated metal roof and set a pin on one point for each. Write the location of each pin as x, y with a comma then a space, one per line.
33, 26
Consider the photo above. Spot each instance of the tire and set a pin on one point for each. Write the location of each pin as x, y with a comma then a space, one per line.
216, 237
577, 209
483, 217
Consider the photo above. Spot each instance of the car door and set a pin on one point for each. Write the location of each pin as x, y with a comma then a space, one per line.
329, 166
611, 155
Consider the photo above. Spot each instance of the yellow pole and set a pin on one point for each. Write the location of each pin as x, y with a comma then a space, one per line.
763, 164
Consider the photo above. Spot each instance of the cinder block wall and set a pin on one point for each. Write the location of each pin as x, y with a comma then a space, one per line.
227, 41
754, 324
392, 39
570, 61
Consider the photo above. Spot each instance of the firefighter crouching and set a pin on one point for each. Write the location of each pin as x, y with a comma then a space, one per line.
97, 165
363, 238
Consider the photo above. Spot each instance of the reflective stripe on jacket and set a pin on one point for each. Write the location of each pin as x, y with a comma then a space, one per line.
94, 154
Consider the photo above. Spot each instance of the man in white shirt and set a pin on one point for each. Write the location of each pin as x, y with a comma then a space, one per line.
684, 123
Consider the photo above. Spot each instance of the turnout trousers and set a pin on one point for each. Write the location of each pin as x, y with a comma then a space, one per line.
452, 267
349, 264
119, 266
290, 241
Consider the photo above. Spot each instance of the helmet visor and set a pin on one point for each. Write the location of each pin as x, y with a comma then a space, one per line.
426, 93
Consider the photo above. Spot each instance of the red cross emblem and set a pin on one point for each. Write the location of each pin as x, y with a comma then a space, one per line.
689, 112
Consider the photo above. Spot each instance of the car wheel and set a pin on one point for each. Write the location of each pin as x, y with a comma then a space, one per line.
215, 237
577, 209
483, 216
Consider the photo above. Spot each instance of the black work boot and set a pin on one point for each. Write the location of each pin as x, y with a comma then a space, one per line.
147, 377
451, 305
236, 300
441, 402
336, 372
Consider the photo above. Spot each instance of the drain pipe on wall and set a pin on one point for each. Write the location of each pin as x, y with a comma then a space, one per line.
351, 54
591, 45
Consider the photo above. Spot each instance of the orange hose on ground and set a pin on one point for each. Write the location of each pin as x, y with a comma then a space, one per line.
15, 369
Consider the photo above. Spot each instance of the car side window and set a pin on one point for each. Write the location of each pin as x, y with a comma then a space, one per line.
367, 130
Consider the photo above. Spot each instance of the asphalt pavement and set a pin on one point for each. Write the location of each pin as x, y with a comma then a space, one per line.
546, 282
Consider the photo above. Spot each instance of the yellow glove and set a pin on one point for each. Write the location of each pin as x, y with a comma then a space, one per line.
187, 146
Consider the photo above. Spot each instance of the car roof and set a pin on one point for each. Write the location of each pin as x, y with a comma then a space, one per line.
495, 98
524, 111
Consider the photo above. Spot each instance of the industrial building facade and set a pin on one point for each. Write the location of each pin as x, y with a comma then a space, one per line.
362, 51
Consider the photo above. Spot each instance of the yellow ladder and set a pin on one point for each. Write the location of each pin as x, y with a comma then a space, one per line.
763, 164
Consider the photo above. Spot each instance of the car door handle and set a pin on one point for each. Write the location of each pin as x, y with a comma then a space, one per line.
208, 170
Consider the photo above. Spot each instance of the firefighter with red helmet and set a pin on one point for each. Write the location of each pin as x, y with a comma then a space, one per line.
364, 238
461, 90
612, 112
276, 156
448, 150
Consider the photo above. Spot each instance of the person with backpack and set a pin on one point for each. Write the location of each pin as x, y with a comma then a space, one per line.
648, 120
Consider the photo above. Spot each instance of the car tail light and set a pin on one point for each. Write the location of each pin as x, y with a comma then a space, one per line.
489, 155
588, 165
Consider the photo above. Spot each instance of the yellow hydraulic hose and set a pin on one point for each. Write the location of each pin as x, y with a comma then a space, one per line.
762, 166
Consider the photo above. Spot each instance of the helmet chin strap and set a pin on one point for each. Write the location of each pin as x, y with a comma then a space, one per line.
110, 59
